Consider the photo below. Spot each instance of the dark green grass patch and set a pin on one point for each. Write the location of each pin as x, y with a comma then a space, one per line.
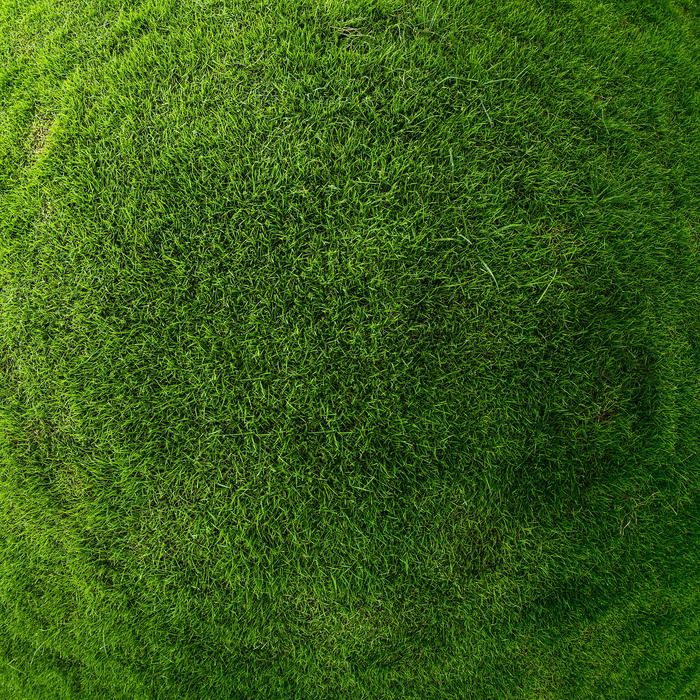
349, 350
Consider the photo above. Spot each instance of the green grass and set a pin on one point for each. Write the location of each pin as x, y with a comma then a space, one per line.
349, 349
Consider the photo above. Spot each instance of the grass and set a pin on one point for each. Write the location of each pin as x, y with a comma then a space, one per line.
349, 349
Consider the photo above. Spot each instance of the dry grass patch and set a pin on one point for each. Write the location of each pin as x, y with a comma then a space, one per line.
39, 133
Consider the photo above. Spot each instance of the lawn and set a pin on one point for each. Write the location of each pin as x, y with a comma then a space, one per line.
349, 350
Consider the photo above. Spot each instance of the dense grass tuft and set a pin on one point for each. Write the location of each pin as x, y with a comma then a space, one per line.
349, 349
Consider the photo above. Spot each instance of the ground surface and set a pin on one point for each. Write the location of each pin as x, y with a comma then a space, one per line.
349, 350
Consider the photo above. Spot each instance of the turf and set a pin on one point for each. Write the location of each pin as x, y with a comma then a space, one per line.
349, 349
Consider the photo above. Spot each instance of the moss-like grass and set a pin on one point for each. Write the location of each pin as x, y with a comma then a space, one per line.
349, 349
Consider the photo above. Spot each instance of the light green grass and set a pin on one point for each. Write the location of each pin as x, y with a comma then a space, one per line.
349, 350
